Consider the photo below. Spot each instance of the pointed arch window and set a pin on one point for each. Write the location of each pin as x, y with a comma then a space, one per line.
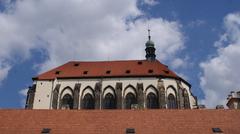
186, 99
130, 100
172, 102
67, 102
109, 101
152, 101
88, 101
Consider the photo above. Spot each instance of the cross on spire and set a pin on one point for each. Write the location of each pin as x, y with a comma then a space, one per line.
149, 36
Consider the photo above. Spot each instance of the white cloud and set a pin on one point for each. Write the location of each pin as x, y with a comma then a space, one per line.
83, 30
176, 63
221, 73
151, 2
23, 92
4, 68
196, 23
23, 95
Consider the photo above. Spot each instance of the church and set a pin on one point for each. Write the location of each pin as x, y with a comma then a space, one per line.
127, 84
115, 97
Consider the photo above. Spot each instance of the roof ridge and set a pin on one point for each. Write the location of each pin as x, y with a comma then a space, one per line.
74, 61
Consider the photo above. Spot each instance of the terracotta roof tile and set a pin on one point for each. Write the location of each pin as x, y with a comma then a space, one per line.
128, 68
116, 121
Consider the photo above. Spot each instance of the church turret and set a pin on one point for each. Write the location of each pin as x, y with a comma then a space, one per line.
150, 50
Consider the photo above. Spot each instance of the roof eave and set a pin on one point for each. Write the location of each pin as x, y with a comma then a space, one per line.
134, 76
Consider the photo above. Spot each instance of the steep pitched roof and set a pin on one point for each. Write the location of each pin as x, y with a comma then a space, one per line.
128, 68
117, 121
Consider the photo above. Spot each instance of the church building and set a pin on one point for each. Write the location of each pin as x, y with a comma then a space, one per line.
97, 86
127, 84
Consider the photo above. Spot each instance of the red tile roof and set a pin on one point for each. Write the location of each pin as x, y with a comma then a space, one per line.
128, 68
116, 121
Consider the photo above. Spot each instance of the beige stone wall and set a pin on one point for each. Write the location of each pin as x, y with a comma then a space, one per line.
43, 96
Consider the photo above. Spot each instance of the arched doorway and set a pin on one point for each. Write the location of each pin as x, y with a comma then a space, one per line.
172, 102
109, 101
152, 101
88, 102
130, 99
67, 102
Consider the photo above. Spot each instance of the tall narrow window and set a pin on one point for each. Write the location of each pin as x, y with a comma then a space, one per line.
171, 102
186, 99
152, 101
109, 101
130, 100
55, 97
67, 102
88, 101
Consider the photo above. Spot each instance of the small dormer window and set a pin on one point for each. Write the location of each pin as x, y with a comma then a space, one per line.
166, 71
76, 64
130, 131
108, 72
150, 71
57, 72
217, 130
85, 72
128, 71
46, 131
139, 62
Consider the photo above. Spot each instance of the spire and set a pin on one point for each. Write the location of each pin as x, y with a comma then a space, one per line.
150, 50
149, 35
149, 43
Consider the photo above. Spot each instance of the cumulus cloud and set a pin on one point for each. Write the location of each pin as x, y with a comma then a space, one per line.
23, 95
83, 30
221, 72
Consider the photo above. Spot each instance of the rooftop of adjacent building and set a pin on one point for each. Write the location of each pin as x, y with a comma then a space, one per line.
233, 94
120, 121
233, 97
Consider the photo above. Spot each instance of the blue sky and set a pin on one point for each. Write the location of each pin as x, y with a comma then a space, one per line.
199, 40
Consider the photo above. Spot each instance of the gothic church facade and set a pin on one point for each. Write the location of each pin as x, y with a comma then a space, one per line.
144, 84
